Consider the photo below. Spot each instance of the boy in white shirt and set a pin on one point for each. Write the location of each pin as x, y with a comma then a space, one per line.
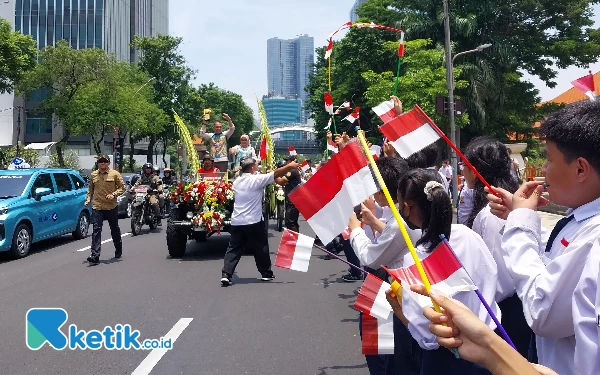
556, 282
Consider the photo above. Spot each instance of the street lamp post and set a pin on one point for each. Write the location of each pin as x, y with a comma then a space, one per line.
451, 104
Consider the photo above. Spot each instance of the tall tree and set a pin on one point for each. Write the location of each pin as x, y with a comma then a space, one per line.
162, 60
17, 56
63, 72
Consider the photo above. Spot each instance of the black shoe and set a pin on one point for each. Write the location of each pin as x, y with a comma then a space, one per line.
268, 277
351, 279
328, 257
93, 260
226, 279
160, 223
118, 254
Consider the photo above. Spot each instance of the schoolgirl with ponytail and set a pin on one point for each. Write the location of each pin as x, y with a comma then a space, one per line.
491, 159
424, 204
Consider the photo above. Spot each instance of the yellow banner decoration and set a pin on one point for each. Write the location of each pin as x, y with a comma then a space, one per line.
264, 132
184, 135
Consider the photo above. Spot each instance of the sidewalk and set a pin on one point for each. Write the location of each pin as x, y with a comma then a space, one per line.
549, 220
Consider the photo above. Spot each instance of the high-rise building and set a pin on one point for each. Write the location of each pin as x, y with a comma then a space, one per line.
353, 15
289, 65
106, 24
280, 110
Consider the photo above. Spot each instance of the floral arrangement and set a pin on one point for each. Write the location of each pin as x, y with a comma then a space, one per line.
212, 202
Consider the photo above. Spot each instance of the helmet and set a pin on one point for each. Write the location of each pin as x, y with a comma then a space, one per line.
280, 163
156, 169
147, 165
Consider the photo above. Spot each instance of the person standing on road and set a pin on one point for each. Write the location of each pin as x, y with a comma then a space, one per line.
247, 222
104, 187
218, 142
289, 182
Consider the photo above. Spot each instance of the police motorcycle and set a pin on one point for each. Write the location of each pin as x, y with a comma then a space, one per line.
142, 212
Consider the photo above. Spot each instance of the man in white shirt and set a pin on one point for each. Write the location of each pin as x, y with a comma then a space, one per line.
247, 223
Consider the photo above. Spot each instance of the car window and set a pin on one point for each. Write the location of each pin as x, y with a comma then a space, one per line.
13, 185
63, 183
78, 182
42, 181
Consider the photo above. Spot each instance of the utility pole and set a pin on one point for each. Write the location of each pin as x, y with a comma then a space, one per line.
450, 84
18, 129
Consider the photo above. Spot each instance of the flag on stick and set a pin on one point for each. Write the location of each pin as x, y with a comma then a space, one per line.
292, 151
329, 49
386, 111
377, 335
331, 146
354, 115
294, 251
409, 133
328, 103
586, 85
264, 148
305, 166
371, 298
327, 199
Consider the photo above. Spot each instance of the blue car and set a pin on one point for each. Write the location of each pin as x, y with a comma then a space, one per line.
37, 204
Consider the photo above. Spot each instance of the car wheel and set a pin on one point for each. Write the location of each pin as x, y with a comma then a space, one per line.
21, 243
83, 226
129, 209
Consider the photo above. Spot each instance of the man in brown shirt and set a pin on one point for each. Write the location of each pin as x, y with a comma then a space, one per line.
104, 187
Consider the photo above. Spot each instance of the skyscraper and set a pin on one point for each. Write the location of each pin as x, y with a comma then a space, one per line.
353, 15
289, 65
106, 24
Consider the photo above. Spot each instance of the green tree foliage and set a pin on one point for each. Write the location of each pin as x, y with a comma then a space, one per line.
162, 60
32, 157
222, 101
537, 37
17, 56
64, 72
71, 160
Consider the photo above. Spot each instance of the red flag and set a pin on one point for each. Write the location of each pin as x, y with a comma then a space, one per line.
377, 335
294, 251
371, 298
328, 103
585, 84
409, 133
329, 49
292, 151
401, 46
264, 147
386, 111
354, 115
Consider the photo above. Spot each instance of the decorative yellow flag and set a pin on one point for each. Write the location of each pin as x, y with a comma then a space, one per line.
188, 142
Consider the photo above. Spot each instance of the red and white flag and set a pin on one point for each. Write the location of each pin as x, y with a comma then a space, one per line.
354, 115
386, 111
328, 103
328, 124
329, 49
327, 199
409, 133
305, 166
346, 105
401, 46
292, 151
375, 151
586, 85
346, 233
294, 251
377, 335
443, 270
371, 298
331, 146
264, 148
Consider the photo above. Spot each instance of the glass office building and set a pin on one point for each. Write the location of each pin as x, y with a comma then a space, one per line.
106, 24
353, 15
289, 65
281, 110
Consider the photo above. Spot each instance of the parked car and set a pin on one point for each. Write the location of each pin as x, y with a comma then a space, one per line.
37, 204
125, 200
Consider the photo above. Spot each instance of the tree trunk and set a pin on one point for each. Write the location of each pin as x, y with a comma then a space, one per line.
132, 142
121, 150
59, 149
150, 153
164, 152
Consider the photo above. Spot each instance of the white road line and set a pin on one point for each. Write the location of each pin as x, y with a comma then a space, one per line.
103, 242
156, 354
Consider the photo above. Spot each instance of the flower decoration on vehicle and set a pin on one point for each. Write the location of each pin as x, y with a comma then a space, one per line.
212, 202
280, 193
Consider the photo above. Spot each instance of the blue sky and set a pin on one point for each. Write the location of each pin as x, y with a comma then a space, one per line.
226, 40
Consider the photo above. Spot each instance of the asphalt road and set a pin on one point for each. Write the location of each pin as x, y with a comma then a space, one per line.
300, 323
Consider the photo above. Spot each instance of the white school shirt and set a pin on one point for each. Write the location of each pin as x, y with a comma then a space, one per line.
586, 315
479, 263
389, 248
545, 282
249, 192
489, 226
465, 205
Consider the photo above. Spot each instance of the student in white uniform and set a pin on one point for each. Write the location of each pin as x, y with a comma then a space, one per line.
386, 249
425, 204
491, 159
546, 278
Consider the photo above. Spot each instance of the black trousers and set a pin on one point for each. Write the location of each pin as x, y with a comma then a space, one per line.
254, 237
98, 217
291, 216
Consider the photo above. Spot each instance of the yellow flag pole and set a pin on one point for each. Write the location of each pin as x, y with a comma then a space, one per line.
390, 201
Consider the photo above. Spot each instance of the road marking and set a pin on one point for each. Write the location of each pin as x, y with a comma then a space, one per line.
156, 354
103, 242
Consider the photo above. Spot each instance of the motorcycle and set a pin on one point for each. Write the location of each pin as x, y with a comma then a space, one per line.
280, 206
142, 212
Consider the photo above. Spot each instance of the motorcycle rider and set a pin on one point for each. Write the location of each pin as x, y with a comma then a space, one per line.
168, 177
149, 178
